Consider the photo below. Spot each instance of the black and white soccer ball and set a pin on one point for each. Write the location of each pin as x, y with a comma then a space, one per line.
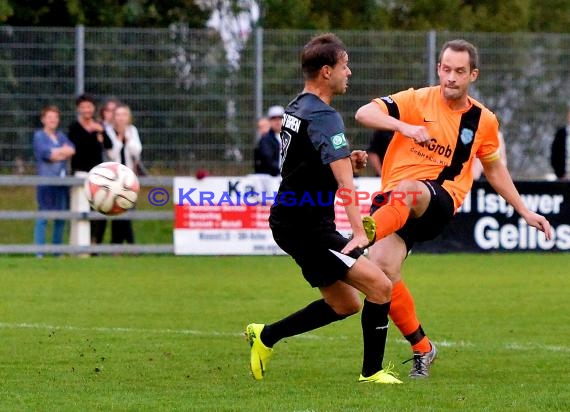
112, 188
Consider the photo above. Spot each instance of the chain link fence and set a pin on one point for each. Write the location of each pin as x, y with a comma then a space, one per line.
195, 99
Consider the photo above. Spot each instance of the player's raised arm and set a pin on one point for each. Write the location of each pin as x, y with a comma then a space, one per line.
372, 116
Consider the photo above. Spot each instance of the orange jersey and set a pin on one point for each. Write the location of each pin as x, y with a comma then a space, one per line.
456, 138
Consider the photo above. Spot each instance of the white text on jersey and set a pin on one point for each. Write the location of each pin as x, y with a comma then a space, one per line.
291, 122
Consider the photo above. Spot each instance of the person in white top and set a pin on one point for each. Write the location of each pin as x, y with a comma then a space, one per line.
127, 145
126, 150
106, 113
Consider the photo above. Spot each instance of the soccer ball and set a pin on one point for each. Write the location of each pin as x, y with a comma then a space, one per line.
111, 188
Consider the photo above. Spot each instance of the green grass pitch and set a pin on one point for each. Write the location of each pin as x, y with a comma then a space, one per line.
151, 333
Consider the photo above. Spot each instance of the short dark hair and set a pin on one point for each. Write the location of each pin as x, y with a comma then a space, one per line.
460, 45
323, 50
85, 98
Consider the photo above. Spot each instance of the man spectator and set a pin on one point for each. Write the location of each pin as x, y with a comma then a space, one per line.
267, 155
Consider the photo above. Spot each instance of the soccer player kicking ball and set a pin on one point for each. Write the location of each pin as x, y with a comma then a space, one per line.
438, 132
317, 162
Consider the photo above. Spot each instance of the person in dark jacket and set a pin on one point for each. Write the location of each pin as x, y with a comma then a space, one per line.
267, 153
560, 151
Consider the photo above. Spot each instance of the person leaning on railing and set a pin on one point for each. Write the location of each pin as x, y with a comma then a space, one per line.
90, 139
52, 150
126, 150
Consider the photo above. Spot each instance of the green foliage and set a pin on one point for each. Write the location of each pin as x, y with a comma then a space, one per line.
6, 10
164, 333
102, 13
454, 15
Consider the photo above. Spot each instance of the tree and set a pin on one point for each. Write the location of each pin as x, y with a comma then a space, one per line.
102, 13
452, 15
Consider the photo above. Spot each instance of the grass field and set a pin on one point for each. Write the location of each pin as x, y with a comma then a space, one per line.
152, 333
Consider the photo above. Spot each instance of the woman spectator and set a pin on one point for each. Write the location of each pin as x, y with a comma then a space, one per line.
89, 139
126, 150
52, 149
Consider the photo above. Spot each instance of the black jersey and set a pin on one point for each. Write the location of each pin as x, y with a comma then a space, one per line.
312, 135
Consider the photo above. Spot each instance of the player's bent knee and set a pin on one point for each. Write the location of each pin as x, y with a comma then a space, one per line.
410, 191
381, 291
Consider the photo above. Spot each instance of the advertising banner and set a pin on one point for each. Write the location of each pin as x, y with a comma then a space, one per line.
228, 216
486, 222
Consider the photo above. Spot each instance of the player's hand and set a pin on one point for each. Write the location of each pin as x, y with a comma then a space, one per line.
418, 134
358, 241
358, 159
539, 222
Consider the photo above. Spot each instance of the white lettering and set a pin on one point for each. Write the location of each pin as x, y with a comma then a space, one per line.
291, 122
509, 236
489, 234
563, 237
486, 239
544, 204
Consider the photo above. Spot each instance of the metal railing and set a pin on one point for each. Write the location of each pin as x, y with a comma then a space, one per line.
80, 215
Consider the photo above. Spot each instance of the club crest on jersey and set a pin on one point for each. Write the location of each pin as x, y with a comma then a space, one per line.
466, 136
338, 141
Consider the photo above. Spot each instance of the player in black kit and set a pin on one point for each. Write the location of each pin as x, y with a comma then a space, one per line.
317, 162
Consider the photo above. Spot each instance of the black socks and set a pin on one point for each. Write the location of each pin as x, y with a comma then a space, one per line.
313, 316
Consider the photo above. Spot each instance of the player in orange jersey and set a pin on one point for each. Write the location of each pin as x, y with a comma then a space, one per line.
439, 130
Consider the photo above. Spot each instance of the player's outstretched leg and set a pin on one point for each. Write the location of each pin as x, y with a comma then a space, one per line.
313, 316
260, 354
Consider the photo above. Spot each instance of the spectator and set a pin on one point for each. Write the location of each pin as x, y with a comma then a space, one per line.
89, 139
52, 149
267, 153
377, 149
560, 151
106, 114
126, 150
263, 126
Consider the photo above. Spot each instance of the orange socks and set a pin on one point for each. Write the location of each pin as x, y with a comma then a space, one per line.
390, 218
403, 314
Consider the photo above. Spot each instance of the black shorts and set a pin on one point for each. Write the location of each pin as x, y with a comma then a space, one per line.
429, 225
317, 252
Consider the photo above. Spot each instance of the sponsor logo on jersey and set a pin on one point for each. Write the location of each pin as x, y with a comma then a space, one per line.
338, 141
466, 136
434, 146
